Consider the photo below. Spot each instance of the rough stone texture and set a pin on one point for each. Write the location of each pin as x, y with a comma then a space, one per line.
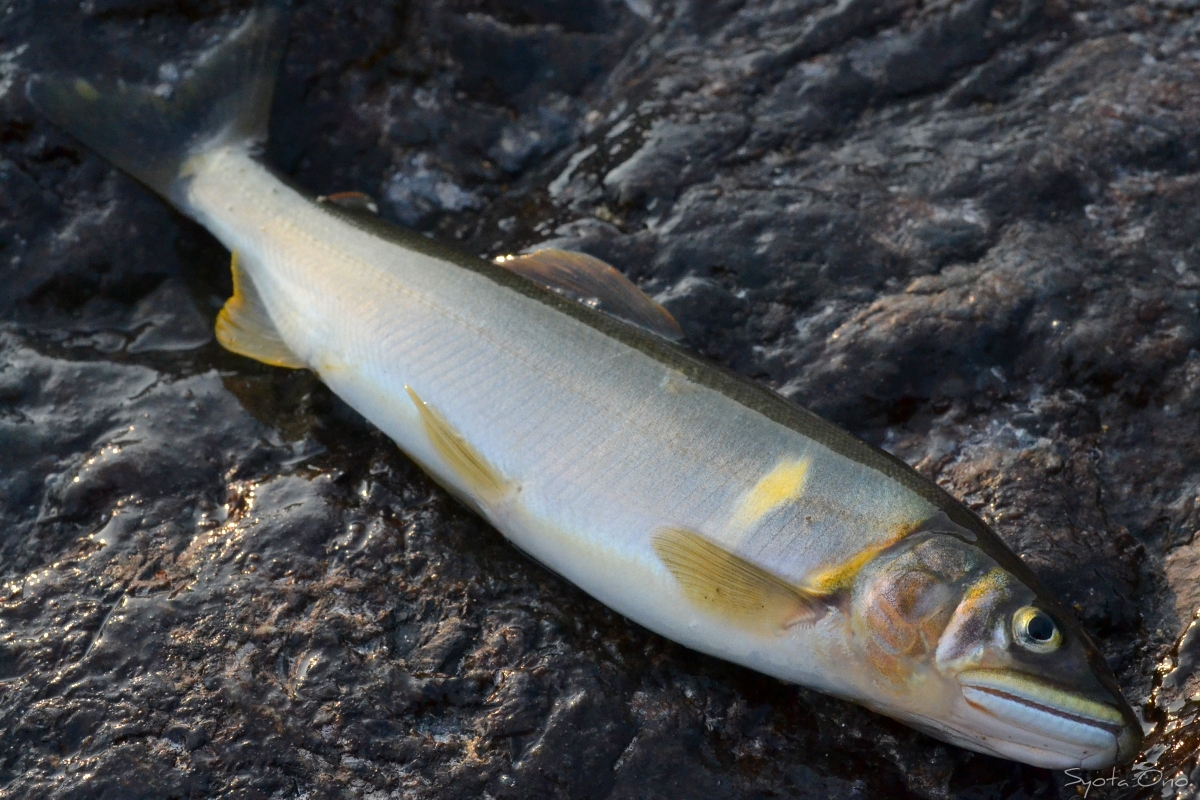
967, 231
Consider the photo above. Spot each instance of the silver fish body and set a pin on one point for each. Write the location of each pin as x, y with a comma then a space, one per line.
688, 499
600, 442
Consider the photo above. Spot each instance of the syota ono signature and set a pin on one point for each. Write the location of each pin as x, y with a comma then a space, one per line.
1141, 776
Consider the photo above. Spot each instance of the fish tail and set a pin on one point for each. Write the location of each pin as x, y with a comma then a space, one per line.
152, 134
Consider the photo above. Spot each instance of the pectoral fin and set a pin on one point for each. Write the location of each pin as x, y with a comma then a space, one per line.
731, 587
244, 326
594, 283
484, 481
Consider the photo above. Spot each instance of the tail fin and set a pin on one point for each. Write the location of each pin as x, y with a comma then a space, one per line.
224, 100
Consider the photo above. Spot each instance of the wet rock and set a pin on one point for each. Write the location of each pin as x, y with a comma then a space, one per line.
670, 157
964, 230
419, 192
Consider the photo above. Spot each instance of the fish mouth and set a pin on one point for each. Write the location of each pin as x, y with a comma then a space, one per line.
1019, 716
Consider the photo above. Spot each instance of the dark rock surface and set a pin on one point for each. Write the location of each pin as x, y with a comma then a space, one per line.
967, 231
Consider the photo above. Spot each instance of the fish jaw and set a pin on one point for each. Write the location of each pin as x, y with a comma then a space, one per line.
1018, 716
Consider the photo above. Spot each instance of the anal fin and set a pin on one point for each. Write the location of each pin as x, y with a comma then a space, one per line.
484, 481
728, 586
591, 282
244, 326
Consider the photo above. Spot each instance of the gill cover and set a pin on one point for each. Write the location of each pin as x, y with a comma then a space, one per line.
973, 655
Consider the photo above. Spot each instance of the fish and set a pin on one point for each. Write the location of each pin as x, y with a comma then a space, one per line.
554, 398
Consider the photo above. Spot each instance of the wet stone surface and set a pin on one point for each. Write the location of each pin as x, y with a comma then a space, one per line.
967, 231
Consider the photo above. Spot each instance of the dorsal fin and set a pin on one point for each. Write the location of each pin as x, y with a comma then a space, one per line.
590, 281
244, 326
727, 585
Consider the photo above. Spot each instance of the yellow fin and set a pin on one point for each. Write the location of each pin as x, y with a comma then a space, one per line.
484, 480
596, 284
245, 328
729, 586
785, 482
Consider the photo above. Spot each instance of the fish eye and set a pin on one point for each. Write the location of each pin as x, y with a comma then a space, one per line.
1034, 630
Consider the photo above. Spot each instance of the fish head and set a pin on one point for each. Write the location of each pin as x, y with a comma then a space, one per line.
963, 648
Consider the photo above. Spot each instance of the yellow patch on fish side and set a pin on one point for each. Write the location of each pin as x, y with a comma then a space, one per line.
728, 586
483, 480
987, 589
840, 577
783, 483
244, 326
